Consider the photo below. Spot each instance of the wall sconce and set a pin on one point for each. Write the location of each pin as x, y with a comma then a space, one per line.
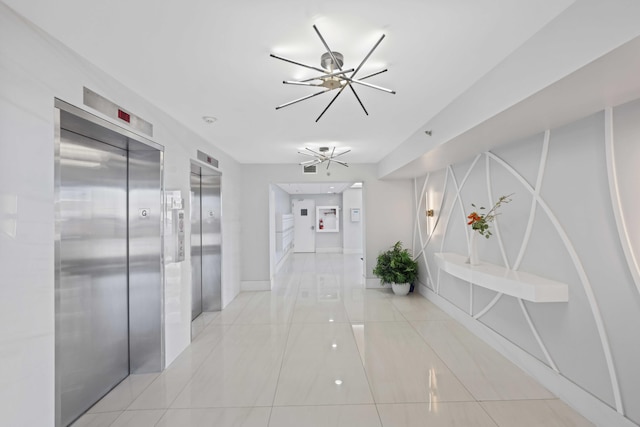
429, 212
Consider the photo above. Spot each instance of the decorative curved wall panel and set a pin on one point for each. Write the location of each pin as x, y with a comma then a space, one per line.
546, 233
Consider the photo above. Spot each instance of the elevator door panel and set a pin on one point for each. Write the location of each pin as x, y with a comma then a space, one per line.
211, 243
92, 339
196, 248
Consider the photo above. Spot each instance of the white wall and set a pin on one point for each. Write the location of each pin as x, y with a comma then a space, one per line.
624, 158
36, 69
561, 225
583, 32
325, 242
281, 205
387, 212
352, 231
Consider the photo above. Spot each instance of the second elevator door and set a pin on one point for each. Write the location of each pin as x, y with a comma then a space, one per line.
206, 254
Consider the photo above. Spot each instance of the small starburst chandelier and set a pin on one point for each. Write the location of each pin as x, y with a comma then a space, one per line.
322, 155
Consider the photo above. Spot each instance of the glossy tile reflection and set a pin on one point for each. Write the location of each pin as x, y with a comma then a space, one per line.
322, 366
530, 413
319, 350
401, 367
483, 371
241, 371
325, 416
463, 414
218, 417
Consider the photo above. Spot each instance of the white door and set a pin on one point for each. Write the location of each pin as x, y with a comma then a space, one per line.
304, 232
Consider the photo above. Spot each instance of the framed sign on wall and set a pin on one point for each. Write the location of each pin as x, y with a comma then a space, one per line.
355, 214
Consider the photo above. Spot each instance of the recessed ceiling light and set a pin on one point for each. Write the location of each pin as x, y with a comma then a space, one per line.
338, 382
209, 119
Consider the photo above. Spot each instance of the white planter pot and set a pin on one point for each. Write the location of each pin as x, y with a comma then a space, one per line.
401, 288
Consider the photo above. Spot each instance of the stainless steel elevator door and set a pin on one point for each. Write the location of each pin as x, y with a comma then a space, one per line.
211, 243
206, 241
196, 248
92, 342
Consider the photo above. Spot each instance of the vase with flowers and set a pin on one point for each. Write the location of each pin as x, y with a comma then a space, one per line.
479, 223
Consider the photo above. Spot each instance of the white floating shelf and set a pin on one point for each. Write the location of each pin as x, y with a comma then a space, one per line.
509, 282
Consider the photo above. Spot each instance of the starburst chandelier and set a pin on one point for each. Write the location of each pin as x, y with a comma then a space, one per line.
321, 156
333, 76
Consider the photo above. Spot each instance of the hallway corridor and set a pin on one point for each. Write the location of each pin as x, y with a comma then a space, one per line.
321, 351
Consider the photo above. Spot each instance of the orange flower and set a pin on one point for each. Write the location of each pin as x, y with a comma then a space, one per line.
473, 217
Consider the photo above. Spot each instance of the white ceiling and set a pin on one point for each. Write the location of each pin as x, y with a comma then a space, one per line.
211, 58
316, 187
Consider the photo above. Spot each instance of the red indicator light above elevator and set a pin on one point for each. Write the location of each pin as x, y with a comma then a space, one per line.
124, 116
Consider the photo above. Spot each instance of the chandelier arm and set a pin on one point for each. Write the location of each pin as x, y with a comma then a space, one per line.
315, 152
341, 162
370, 85
337, 73
298, 63
333, 57
372, 74
368, 55
331, 157
329, 105
358, 98
301, 99
340, 154
310, 162
296, 83
307, 154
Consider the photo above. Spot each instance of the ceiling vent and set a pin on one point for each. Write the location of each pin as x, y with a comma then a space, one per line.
310, 169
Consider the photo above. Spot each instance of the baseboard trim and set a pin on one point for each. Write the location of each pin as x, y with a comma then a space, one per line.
284, 258
374, 284
328, 250
255, 285
351, 251
579, 399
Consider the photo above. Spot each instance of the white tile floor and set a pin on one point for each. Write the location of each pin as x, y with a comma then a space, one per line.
320, 351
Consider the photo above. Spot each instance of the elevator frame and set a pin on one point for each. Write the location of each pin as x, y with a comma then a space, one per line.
139, 359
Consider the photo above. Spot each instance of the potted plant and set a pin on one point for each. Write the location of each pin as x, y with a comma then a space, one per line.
479, 223
397, 266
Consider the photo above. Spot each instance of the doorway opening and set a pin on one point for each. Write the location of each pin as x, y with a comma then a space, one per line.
315, 217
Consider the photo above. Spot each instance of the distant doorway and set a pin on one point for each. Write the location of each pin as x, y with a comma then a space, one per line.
304, 215
288, 234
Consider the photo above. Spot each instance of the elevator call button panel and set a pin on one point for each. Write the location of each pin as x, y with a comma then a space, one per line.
180, 237
174, 226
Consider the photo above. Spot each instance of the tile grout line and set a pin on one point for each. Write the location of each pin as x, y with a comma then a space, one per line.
194, 371
366, 375
286, 341
127, 407
443, 360
163, 415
